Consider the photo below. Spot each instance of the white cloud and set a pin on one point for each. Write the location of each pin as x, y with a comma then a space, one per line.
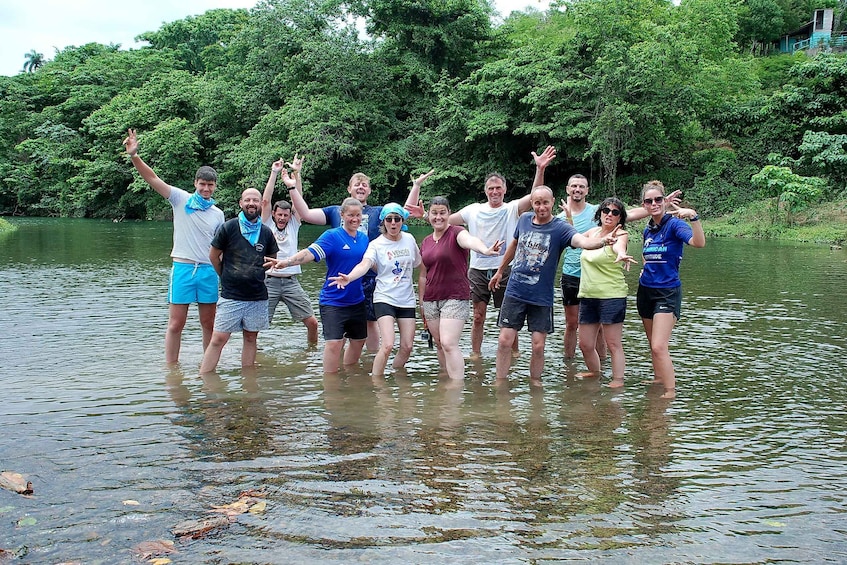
50, 25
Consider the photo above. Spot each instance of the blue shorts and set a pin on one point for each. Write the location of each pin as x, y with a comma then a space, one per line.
602, 310
368, 287
652, 301
514, 312
234, 315
193, 282
339, 322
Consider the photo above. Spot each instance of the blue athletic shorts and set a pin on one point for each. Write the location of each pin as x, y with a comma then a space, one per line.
193, 282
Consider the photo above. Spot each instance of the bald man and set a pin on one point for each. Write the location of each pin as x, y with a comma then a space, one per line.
540, 239
238, 255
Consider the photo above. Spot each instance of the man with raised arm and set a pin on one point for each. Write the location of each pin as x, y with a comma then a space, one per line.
284, 284
359, 188
538, 242
490, 221
578, 212
196, 219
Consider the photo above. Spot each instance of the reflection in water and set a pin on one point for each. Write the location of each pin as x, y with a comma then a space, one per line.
749, 461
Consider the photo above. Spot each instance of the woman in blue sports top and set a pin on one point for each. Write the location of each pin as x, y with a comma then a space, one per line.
659, 298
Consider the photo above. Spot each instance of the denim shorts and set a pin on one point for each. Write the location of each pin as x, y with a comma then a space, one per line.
602, 310
234, 315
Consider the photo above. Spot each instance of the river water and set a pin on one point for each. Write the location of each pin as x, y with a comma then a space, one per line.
747, 465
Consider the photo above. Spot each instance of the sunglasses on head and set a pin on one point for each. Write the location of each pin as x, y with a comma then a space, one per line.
657, 200
614, 212
393, 219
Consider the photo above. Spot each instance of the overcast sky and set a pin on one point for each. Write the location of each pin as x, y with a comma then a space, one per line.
48, 25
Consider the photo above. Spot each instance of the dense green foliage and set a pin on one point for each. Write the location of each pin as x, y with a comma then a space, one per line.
627, 90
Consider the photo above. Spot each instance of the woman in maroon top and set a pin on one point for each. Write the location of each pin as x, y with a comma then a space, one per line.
443, 285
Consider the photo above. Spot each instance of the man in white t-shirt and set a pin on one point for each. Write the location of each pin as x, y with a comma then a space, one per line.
284, 284
193, 278
490, 221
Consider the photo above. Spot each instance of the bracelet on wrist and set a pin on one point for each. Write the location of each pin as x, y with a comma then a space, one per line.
694, 218
131, 155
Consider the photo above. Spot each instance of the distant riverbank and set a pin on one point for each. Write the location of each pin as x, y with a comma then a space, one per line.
821, 223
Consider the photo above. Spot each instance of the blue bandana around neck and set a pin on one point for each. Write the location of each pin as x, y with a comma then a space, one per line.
196, 202
250, 230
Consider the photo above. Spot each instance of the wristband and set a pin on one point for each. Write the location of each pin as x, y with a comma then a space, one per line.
694, 218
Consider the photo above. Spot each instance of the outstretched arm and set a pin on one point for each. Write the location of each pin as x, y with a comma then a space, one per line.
131, 144
267, 197
342, 280
541, 162
468, 241
300, 258
640, 212
312, 215
413, 202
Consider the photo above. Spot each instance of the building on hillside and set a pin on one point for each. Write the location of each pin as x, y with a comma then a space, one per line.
813, 36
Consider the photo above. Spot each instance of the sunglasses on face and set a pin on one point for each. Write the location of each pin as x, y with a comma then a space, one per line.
615, 212
393, 219
657, 200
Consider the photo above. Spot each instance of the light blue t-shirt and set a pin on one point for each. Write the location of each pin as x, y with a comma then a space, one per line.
582, 222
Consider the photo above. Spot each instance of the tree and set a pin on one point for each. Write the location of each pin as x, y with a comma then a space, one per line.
34, 61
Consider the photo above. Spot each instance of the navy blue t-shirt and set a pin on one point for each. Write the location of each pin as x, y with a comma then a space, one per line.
536, 261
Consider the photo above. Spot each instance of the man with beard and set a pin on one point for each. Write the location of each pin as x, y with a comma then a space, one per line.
238, 255
284, 284
578, 212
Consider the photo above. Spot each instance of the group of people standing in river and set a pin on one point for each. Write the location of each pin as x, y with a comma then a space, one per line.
509, 253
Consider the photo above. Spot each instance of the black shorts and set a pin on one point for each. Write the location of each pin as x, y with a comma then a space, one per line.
382, 309
570, 290
344, 321
514, 312
479, 286
602, 310
651, 301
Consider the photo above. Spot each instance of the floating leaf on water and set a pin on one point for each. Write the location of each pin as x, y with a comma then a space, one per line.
160, 561
6, 509
148, 549
26, 521
232, 509
258, 508
193, 529
15, 482
775, 524
131, 503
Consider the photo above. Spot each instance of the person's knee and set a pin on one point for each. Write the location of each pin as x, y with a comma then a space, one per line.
250, 337
538, 347
311, 323
506, 340
659, 349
